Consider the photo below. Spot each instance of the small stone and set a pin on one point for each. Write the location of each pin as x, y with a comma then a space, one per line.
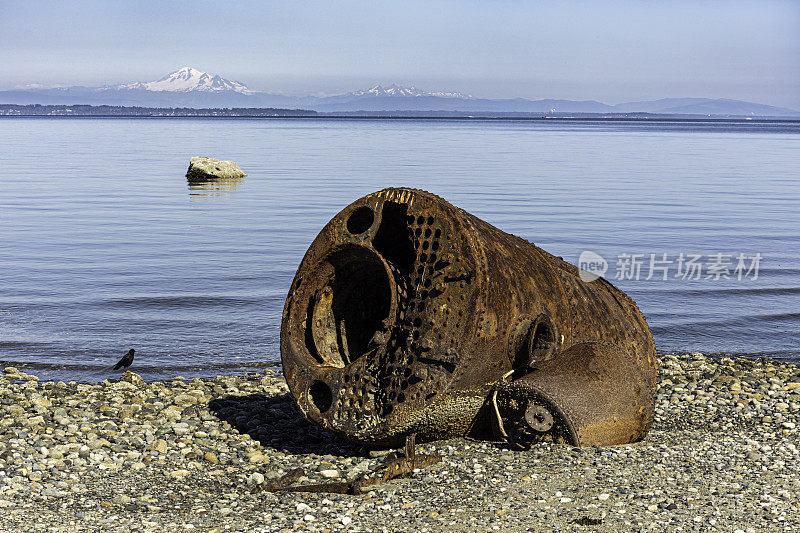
256, 478
604, 496
379, 453
329, 473
35, 421
346, 520
51, 492
184, 399
133, 378
210, 457
159, 445
40, 401
255, 457
360, 468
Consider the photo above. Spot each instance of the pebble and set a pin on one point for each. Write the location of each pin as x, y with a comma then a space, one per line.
211, 457
159, 445
256, 478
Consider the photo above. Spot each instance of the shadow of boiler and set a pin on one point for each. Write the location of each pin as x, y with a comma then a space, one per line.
276, 422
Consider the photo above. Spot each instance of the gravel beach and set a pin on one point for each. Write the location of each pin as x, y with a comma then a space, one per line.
126, 455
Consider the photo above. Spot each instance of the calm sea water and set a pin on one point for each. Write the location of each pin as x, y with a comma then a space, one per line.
105, 247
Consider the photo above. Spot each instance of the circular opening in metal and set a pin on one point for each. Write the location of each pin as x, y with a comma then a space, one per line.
535, 342
542, 344
361, 220
321, 396
349, 314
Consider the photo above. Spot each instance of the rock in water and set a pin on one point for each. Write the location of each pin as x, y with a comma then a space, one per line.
206, 168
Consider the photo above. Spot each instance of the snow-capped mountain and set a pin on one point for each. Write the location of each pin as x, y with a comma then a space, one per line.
189, 87
396, 90
188, 79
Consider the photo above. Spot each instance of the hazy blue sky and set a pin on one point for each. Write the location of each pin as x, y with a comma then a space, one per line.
608, 51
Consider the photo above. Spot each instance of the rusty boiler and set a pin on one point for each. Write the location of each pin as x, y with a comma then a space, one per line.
409, 315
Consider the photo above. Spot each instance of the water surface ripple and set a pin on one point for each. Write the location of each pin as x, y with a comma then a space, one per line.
105, 246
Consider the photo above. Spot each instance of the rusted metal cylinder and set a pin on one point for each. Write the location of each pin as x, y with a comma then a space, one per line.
408, 315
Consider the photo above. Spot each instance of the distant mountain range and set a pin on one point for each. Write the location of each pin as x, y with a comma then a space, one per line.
189, 87
396, 90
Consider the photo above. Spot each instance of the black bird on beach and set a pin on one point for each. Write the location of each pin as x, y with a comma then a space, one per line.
126, 361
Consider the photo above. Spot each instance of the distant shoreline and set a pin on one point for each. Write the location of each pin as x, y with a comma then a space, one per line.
423, 118
90, 111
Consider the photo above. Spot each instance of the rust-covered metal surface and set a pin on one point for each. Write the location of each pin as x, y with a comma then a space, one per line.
409, 315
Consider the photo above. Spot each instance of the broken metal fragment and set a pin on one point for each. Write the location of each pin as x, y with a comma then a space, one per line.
409, 315
401, 465
282, 482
